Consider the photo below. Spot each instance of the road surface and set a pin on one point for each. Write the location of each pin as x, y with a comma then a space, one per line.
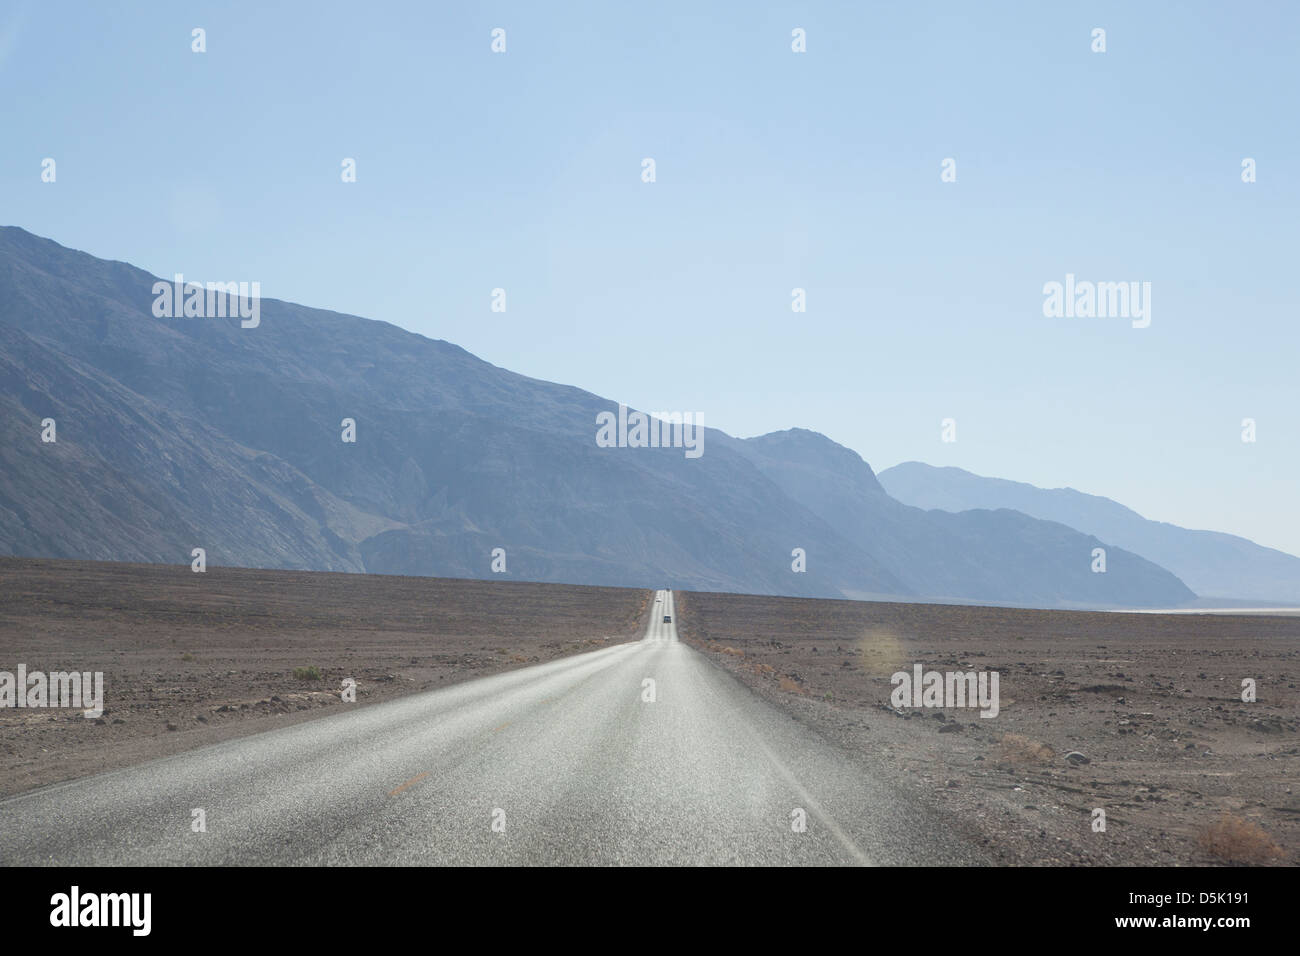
641, 753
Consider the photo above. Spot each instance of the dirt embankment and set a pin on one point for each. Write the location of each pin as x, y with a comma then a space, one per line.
189, 659
1138, 715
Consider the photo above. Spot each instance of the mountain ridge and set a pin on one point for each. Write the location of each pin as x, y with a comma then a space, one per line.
1212, 563
182, 433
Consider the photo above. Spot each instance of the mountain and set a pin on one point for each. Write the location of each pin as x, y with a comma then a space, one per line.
977, 553
177, 433
1209, 562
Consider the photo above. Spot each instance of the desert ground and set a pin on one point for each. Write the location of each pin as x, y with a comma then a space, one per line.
1138, 715
1150, 705
191, 659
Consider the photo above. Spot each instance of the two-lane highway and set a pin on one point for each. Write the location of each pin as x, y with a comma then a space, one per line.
642, 753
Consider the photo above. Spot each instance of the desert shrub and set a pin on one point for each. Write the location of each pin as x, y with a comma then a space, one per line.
307, 673
1018, 749
1238, 841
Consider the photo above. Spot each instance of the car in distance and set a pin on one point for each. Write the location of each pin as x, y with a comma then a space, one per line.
668, 618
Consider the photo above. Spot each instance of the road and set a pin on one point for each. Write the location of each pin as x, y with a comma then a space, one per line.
641, 753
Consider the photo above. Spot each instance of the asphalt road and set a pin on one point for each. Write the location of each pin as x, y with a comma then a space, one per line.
577, 761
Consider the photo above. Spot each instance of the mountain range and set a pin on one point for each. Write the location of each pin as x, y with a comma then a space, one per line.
1211, 563
177, 433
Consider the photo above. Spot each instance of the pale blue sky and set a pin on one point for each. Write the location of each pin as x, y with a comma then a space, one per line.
774, 170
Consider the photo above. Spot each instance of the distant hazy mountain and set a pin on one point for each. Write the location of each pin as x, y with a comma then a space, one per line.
176, 433
1211, 563
992, 554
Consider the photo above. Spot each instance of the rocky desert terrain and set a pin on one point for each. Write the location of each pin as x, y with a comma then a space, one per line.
190, 659
1138, 715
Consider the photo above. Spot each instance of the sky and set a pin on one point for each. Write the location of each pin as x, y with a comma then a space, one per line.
774, 170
